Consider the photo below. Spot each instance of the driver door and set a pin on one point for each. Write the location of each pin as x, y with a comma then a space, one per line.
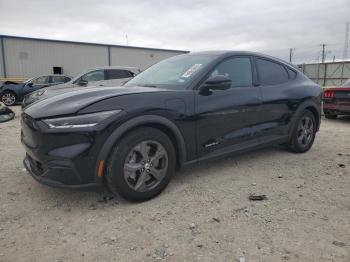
226, 117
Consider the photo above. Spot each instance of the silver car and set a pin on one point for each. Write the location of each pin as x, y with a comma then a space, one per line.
103, 76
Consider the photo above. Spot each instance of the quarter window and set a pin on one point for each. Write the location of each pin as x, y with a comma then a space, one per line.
238, 69
271, 73
118, 74
292, 74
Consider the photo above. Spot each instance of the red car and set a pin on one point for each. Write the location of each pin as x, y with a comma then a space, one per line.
336, 101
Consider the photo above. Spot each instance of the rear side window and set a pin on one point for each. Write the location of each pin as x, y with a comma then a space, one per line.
118, 74
238, 69
271, 73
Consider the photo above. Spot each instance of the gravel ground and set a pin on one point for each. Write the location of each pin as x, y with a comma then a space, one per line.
203, 215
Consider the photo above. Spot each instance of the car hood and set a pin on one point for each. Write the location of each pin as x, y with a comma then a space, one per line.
72, 100
10, 85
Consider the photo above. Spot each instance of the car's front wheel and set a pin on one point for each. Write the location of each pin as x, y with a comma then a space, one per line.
303, 133
8, 98
141, 164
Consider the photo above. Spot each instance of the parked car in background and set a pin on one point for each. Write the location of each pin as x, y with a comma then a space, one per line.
12, 93
336, 101
185, 109
101, 76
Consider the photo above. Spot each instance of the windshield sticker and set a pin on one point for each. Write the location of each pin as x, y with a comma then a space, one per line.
193, 69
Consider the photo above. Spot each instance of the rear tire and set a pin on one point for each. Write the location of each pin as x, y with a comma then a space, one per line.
8, 98
141, 164
303, 133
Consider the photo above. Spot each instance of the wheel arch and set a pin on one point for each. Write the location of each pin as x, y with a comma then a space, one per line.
9, 91
306, 105
155, 121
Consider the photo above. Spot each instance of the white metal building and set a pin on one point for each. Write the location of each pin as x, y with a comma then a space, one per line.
22, 57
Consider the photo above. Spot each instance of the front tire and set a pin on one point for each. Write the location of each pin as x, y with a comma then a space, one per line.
8, 98
303, 133
141, 164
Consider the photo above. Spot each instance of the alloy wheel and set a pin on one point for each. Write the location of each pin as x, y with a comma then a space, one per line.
145, 165
8, 99
305, 131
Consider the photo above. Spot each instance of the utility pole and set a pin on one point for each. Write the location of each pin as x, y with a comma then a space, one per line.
323, 52
127, 40
290, 54
346, 42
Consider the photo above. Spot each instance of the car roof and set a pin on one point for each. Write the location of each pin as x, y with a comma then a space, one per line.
116, 67
227, 53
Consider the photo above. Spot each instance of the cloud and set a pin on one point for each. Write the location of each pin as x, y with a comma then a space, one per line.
271, 26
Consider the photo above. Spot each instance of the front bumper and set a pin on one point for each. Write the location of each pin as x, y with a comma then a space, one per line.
60, 159
46, 176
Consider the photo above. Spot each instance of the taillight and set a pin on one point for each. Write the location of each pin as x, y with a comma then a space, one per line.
328, 94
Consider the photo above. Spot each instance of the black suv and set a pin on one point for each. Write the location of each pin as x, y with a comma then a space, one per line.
182, 110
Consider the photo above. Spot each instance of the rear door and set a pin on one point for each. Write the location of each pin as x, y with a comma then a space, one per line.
279, 98
225, 117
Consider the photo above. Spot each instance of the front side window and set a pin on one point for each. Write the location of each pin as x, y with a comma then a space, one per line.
97, 75
58, 79
118, 74
175, 72
42, 80
238, 69
271, 73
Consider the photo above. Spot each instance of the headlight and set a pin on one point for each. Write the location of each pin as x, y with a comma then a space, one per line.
79, 121
38, 93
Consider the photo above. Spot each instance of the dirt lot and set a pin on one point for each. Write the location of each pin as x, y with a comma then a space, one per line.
203, 215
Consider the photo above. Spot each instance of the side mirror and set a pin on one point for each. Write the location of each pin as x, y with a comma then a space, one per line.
219, 82
82, 82
30, 84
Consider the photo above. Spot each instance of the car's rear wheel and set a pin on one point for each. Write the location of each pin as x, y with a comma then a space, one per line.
8, 98
330, 116
141, 164
303, 133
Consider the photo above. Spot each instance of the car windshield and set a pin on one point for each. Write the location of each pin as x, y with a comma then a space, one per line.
29, 80
346, 83
175, 72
